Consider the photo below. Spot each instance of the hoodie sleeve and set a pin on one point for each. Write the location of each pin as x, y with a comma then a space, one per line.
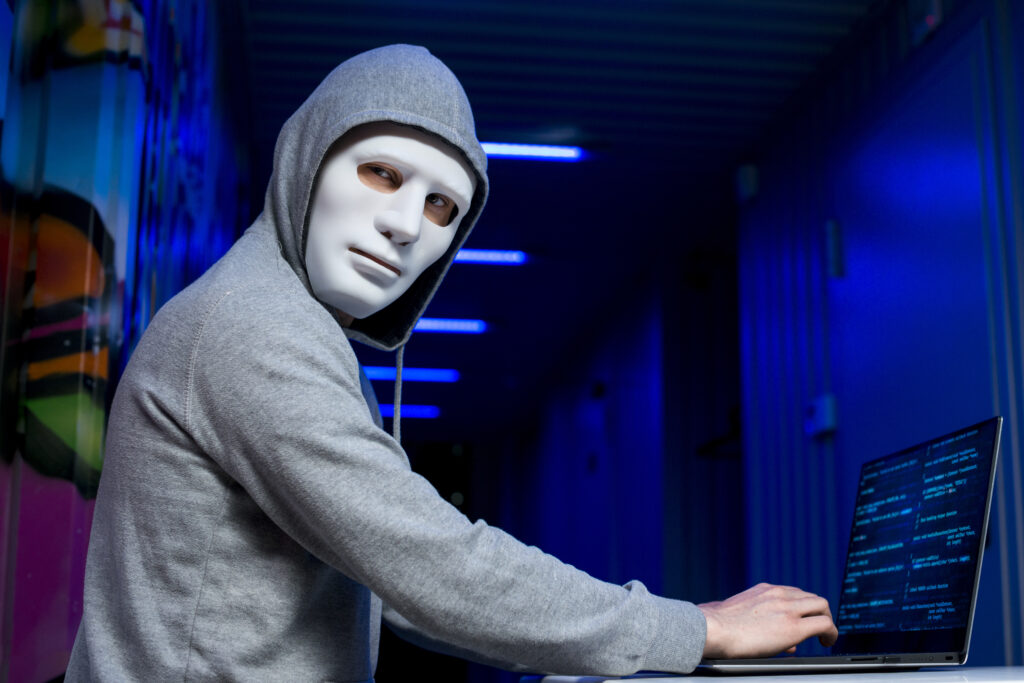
408, 632
273, 395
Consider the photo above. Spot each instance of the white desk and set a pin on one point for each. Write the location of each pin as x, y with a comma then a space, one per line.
986, 674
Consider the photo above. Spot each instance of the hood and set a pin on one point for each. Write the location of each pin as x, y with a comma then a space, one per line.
403, 84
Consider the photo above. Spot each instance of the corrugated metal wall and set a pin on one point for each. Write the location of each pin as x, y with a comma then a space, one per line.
917, 328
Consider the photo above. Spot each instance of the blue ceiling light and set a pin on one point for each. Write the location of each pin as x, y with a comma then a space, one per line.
494, 257
411, 410
507, 150
380, 372
451, 325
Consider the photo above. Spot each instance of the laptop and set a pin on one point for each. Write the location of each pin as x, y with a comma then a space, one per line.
914, 559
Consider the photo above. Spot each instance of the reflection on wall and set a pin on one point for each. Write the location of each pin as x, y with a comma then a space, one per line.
103, 217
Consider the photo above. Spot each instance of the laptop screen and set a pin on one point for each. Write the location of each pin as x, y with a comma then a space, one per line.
915, 549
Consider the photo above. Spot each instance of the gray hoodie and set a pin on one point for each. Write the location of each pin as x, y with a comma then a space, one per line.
252, 516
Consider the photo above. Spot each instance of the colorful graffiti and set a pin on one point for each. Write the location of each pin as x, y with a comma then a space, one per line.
74, 114
62, 358
109, 205
61, 283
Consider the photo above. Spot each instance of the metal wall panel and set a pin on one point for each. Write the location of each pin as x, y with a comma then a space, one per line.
921, 333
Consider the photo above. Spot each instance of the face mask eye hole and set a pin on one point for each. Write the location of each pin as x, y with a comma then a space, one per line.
380, 177
439, 209
455, 212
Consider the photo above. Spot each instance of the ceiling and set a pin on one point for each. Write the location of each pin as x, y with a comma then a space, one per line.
665, 95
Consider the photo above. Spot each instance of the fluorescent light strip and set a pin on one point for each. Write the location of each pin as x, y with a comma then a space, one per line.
505, 150
411, 410
496, 257
451, 325
380, 372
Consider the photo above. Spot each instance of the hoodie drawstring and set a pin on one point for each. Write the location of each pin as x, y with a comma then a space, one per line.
396, 425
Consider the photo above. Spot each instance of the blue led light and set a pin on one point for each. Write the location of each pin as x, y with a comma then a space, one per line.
505, 150
451, 325
496, 257
380, 372
411, 410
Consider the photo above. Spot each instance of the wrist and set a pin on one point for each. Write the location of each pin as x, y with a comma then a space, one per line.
712, 649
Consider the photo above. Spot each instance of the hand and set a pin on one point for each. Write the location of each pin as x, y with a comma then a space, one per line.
765, 620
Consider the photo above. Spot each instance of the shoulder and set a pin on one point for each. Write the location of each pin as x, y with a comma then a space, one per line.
248, 318
249, 297
278, 320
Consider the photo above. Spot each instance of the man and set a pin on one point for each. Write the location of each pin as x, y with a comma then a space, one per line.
253, 522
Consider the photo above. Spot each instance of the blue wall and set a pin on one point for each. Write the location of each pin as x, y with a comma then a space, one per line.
587, 496
915, 326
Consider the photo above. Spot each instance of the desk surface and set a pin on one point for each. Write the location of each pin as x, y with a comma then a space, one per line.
967, 674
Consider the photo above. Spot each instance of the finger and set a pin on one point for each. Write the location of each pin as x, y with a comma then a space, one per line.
799, 594
791, 650
820, 626
811, 606
781, 592
789, 593
829, 639
779, 588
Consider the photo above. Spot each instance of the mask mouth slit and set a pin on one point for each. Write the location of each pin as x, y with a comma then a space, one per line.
376, 260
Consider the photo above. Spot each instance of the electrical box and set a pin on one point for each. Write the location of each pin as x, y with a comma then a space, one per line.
820, 417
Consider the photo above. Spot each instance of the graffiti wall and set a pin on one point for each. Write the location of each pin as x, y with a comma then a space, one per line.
111, 201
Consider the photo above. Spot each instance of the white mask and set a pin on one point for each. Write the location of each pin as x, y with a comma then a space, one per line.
380, 215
